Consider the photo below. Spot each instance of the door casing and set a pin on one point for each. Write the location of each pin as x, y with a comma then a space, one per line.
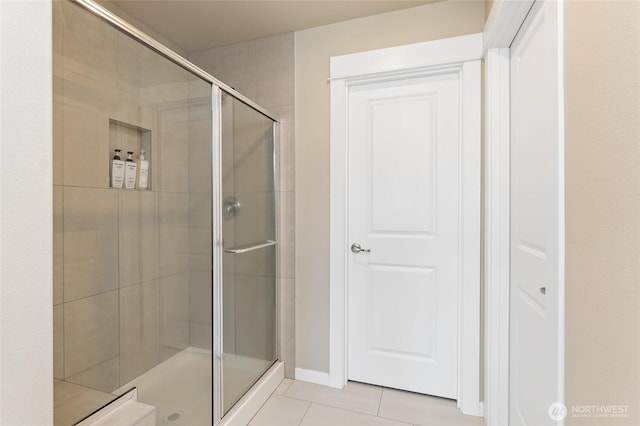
459, 54
503, 23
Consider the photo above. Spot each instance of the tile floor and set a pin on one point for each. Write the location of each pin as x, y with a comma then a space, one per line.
297, 403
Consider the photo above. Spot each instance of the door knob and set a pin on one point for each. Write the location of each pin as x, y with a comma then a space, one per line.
355, 247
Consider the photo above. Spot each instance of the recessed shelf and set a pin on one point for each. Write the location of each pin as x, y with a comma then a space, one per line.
129, 137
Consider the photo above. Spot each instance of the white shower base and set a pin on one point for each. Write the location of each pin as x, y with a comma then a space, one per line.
179, 388
182, 386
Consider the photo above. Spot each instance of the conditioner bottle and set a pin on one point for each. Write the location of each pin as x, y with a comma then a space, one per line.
130, 172
143, 171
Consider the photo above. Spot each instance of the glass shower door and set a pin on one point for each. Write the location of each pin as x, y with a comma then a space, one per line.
249, 255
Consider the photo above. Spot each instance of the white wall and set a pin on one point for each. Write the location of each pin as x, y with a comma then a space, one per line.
26, 371
313, 49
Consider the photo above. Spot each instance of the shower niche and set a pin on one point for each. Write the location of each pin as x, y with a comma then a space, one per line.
128, 137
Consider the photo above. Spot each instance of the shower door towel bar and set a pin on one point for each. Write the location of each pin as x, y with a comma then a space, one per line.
250, 247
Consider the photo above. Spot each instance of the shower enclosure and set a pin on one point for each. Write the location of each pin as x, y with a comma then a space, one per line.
171, 288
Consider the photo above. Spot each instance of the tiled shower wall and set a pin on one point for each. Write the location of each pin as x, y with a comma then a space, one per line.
132, 268
263, 70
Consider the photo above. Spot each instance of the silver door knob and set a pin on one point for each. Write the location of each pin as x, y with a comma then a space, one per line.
355, 247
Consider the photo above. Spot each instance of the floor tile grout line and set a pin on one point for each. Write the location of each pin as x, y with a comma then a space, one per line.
380, 403
305, 413
288, 386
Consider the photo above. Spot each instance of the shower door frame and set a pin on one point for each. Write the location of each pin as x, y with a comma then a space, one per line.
217, 87
218, 250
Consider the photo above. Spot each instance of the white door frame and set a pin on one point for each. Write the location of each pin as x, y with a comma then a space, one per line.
503, 23
460, 54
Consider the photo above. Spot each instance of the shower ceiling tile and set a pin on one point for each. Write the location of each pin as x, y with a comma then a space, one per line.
90, 242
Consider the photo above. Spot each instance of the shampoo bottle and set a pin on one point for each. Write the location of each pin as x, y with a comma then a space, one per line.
130, 172
117, 170
143, 171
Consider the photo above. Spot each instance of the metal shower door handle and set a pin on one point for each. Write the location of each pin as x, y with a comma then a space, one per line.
355, 247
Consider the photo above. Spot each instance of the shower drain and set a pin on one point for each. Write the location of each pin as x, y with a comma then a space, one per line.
173, 417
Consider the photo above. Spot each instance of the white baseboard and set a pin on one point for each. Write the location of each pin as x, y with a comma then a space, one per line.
312, 376
242, 413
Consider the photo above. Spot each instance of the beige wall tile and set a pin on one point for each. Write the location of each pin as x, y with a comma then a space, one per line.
286, 147
136, 64
200, 309
200, 148
171, 153
239, 67
255, 220
174, 313
286, 237
58, 341
229, 303
58, 245
253, 150
58, 116
91, 341
139, 329
86, 148
208, 60
255, 316
89, 46
85, 93
275, 70
173, 216
287, 325
227, 135
73, 402
138, 236
90, 242
200, 223
103, 376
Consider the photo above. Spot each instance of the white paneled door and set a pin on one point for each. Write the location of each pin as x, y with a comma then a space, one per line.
403, 230
536, 221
